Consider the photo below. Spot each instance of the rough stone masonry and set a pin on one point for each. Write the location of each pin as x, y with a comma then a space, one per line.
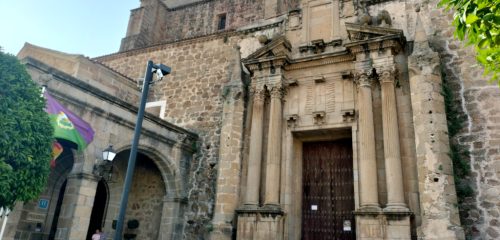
254, 83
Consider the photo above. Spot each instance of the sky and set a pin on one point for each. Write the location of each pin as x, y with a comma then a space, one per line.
89, 27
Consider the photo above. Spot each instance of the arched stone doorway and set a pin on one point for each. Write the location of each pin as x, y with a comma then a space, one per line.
145, 202
99, 209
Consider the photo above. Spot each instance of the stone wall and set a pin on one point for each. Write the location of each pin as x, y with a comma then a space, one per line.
146, 196
159, 24
474, 99
193, 94
477, 102
201, 68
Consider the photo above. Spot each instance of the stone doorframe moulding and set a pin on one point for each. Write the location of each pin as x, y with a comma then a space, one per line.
291, 194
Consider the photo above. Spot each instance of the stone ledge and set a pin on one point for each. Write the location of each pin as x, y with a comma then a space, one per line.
264, 210
84, 175
382, 212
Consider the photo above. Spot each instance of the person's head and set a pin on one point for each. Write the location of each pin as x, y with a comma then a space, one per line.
97, 230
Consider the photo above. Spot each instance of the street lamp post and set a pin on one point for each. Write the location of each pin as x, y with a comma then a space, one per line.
104, 169
160, 70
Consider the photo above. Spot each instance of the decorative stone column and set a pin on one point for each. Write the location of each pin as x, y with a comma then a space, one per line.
265, 222
367, 161
273, 169
392, 155
266, 66
255, 155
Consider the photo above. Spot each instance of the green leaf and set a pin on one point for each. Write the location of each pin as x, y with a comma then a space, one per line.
488, 17
464, 12
471, 19
478, 21
483, 43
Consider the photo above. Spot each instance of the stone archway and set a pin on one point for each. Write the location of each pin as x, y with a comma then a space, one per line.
145, 202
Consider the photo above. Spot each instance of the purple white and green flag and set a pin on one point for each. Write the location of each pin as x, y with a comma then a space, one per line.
67, 125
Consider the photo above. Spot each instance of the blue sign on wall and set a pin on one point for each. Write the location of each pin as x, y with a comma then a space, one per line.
43, 203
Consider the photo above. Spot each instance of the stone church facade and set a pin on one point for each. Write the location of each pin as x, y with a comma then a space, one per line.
281, 119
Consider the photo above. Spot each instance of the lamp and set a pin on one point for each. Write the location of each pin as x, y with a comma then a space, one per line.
108, 154
105, 168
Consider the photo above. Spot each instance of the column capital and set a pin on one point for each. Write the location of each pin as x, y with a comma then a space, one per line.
386, 74
258, 94
363, 78
276, 91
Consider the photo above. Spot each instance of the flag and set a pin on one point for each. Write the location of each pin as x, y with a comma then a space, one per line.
67, 125
57, 149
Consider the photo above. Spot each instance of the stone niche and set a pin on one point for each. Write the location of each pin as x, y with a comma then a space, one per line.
322, 20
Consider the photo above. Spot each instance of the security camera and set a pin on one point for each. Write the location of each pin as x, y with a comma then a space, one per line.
161, 70
159, 74
165, 70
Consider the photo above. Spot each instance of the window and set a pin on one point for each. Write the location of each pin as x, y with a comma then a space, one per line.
222, 22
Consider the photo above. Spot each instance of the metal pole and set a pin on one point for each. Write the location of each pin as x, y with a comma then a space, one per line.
3, 227
133, 152
4, 214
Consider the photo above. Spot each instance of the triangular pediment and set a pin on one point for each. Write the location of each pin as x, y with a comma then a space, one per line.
361, 32
279, 47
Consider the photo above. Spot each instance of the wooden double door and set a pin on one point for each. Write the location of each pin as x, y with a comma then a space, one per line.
328, 191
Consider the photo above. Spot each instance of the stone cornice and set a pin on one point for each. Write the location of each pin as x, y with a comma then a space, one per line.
275, 54
186, 41
371, 38
377, 44
381, 31
265, 63
318, 60
277, 47
91, 90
